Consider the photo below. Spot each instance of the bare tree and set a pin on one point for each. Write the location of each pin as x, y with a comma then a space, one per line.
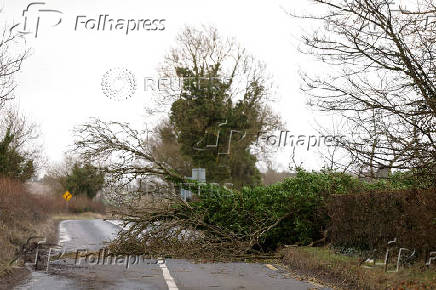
207, 53
11, 59
123, 153
383, 84
55, 176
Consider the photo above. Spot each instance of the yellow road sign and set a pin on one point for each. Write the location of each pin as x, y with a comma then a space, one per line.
67, 195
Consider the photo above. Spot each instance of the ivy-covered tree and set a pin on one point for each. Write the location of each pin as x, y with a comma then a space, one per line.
220, 107
13, 164
84, 180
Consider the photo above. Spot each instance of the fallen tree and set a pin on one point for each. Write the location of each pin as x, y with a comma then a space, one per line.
218, 222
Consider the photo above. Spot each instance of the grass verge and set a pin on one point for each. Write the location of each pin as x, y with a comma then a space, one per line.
339, 271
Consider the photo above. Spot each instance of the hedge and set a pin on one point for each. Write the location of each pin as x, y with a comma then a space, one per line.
368, 221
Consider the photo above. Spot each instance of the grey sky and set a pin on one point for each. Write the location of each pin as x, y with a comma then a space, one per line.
59, 86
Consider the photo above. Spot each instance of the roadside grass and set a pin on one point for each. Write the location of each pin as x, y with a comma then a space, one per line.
343, 272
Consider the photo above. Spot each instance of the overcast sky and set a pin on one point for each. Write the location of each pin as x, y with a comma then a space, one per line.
60, 84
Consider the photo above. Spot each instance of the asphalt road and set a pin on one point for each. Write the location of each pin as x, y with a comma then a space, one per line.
116, 273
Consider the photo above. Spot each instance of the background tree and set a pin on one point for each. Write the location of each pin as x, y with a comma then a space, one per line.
272, 175
166, 149
383, 83
56, 174
84, 179
223, 93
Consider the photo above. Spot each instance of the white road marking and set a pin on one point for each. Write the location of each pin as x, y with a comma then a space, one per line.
167, 276
166, 273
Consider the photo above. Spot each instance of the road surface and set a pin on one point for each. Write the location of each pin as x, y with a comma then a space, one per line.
173, 274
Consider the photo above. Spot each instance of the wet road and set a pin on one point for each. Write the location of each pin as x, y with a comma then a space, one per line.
97, 271
87, 234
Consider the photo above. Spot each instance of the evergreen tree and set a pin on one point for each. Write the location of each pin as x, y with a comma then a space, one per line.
205, 115
12, 163
85, 179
